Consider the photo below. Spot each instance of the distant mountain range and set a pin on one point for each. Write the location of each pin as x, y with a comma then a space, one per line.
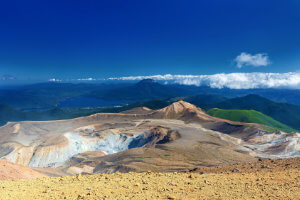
43, 101
146, 89
286, 114
52, 94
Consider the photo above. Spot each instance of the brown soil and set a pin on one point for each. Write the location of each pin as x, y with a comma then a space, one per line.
13, 171
280, 180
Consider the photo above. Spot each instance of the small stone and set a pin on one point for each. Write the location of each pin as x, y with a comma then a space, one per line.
173, 184
171, 197
235, 170
191, 176
79, 176
193, 170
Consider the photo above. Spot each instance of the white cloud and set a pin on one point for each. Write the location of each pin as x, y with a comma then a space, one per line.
257, 60
232, 80
86, 79
54, 80
75, 80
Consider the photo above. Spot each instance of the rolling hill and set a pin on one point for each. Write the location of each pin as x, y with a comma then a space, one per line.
285, 113
249, 116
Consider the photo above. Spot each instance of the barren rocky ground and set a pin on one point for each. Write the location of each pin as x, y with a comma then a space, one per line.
264, 179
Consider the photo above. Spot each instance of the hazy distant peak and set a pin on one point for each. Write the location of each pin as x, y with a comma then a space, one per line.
147, 82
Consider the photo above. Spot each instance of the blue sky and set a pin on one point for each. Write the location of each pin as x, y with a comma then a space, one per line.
76, 39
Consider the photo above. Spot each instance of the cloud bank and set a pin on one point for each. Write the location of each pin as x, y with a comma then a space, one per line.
257, 60
232, 80
79, 79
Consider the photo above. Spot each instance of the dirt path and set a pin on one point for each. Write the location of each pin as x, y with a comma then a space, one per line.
262, 184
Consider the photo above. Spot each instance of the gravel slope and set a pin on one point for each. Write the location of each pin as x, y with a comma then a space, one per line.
273, 182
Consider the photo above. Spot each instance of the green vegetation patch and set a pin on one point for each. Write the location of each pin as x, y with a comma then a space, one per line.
250, 116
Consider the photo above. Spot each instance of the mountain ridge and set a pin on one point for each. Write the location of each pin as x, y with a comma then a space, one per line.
249, 116
288, 114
